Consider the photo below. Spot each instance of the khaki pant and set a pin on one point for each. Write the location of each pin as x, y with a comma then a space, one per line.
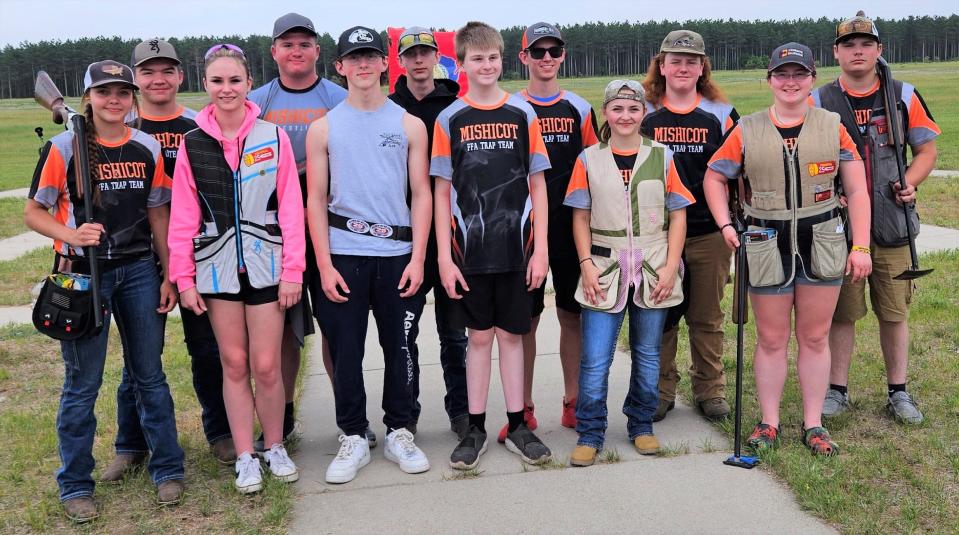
889, 298
707, 260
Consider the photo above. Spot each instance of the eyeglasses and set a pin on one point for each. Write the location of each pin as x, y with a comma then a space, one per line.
411, 39
555, 52
216, 48
785, 76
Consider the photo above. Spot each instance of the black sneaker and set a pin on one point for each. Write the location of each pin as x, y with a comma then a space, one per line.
467, 453
524, 443
460, 425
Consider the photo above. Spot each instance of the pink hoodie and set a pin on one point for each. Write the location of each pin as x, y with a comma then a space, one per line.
185, 215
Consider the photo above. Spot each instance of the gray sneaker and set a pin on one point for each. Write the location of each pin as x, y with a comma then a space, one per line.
836, 403
903, 408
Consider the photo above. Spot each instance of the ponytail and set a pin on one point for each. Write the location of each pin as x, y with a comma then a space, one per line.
93, 150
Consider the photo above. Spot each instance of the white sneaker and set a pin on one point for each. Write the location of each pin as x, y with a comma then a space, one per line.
281, 466
401, 450
354, 454
248, 477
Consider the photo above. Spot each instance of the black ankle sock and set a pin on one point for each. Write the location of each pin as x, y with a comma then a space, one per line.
515, 419
478, 420
288, 418
896, 388
842, 389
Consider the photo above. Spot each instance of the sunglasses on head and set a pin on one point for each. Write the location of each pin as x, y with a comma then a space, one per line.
411, 39
215, 48
539, 53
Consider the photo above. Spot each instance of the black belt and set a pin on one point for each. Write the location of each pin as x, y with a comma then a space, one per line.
377, 230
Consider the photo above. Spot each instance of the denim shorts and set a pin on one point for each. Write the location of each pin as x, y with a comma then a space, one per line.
801, 278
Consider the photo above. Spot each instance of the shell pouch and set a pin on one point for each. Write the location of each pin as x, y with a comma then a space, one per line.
764, 262
829, 250
654, 258
608, 280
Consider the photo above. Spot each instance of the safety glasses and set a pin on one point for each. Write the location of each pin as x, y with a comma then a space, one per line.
539, 53
411, 39
215, 48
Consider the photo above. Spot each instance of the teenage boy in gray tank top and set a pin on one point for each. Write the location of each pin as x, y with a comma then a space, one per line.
370, 247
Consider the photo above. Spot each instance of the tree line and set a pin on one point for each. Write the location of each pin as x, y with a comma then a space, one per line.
593, 49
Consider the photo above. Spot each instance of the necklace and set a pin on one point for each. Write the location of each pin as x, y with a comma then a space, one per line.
104, 153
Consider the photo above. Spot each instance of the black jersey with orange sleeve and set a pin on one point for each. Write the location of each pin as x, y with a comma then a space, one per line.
693, 134
568, 126
488, 153
168, 131
131, 179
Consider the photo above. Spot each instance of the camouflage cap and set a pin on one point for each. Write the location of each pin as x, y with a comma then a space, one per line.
626, 89
858, 25
684, 42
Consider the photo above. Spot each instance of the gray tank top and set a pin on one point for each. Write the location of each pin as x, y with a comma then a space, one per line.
368, 176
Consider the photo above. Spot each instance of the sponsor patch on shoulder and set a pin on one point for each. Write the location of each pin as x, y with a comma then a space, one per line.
258, 156
822, 168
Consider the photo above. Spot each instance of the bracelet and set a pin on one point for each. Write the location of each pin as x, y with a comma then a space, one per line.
724, 227
861, 249
585, 260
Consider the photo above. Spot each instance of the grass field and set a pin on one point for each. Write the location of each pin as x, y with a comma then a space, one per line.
747, 90
889, 478
11, 217
31, 373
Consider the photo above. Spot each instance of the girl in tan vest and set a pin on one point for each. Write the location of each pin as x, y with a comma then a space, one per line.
629, 224
785, 161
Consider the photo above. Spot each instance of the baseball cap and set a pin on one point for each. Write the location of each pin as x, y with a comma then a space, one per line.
792, 53
153, 49
416, 35
359, 38
858, 25
614, 91
108, 72
538, 31
684, 42
292, 21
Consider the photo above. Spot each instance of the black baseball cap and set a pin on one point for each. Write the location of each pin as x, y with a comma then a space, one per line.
796, 53
359, 38
538, 31
108, 72
292, 21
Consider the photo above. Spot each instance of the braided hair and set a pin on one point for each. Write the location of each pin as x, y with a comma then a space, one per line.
93, 146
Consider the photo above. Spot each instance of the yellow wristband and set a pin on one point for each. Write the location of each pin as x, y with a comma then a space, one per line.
861, 249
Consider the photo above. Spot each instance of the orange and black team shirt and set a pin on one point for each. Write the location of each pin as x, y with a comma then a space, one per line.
168, 131
693, 134
488, 153
132, 179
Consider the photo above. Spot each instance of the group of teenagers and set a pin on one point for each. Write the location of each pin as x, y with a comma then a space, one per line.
366, 202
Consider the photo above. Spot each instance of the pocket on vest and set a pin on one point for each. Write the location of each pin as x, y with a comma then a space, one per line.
889, 221
216, 264
609, 274
765, 263
654, 253
828, 250
262, 256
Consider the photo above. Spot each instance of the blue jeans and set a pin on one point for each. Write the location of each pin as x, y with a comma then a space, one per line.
207, 383
600, 333
131, 294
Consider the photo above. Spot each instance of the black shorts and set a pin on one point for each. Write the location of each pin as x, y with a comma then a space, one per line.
249, 295
565, 273
494, 300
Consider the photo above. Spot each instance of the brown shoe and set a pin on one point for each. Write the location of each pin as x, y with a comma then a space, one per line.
714, 408
81, 509
582, 455
121, 465
646, 444
170, 492
224, 450
663, 407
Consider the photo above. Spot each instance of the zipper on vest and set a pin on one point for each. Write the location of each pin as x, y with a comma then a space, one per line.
241, 266
629, 236
793, 222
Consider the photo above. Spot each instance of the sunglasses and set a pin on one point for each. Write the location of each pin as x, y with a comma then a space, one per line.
555, 52
411, 39
216, 48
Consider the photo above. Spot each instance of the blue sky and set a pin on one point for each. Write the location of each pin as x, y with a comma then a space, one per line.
36, 20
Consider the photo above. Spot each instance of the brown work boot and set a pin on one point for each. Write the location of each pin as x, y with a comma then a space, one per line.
582, 455
224, 450
714, 408
646, 444
661, 410
170, 492
80, 509
121, 465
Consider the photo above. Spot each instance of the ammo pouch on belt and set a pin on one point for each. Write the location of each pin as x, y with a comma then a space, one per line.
655, 249
764, 262
609, 275
829, 250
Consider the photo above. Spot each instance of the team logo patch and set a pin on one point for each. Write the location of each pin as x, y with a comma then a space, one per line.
684, 42
113, 70
358, 226
258, 156
822, 193
543, 30
381, 231
822, 168
786, 52
360, 35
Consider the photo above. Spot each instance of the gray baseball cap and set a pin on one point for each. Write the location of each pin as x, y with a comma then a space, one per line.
538, 31
796, 53
292, 21
684, 42
416, 36
152, 49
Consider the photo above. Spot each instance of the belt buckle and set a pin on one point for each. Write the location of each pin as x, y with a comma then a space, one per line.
381, 231
357, 226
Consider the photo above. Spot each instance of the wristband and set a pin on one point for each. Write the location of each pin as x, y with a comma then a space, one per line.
722, 228
861, 249
585, 260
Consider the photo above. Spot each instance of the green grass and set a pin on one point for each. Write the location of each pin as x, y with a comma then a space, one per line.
11, 218
19, 276
889, 478
31, 375
939, 201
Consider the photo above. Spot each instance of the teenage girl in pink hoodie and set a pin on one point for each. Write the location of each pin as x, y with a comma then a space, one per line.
237, 250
